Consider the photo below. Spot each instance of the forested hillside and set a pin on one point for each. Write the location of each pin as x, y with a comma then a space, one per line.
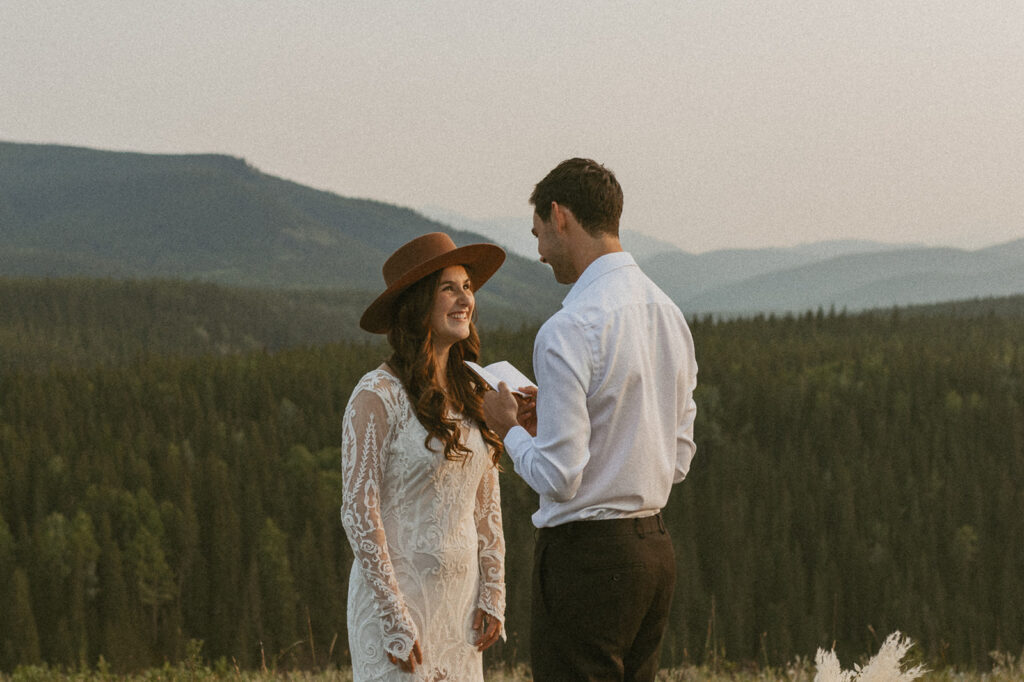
856, 474
82, 322
75, 212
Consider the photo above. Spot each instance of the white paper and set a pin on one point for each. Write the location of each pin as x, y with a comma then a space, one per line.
496, 372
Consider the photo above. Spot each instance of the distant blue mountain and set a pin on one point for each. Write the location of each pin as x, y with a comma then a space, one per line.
514, 233
770, 281
851, 274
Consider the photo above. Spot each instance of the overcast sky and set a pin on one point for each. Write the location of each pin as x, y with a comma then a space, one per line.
729, 124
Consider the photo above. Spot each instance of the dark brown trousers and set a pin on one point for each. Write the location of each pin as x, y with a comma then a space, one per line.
601, 597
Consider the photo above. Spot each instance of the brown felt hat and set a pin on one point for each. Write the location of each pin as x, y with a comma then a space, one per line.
421, 257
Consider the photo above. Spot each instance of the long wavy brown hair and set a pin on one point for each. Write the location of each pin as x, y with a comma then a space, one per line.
412, 359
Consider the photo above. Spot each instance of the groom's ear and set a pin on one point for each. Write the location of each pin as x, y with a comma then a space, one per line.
561, 216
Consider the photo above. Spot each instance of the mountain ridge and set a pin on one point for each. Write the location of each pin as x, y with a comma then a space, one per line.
69, 211
773, 279
871, 280
73, 211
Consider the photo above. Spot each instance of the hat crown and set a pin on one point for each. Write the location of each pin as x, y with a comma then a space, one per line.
415, 253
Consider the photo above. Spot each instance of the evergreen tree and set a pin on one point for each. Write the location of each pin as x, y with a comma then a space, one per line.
123, 643
277, 595
19, 637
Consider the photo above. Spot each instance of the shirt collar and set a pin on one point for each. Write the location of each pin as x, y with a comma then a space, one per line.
601, 266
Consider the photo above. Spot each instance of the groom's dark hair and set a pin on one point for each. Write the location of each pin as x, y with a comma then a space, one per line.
586, 188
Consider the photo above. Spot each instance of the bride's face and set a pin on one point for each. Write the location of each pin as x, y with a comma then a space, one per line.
453, 305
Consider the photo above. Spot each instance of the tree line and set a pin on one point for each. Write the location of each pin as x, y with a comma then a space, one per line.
855, 474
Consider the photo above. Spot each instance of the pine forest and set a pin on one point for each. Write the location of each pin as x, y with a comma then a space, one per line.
856, 474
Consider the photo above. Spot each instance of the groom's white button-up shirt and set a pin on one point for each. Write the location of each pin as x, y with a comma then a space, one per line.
615, 371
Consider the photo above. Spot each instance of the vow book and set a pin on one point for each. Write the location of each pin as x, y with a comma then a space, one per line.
496, 372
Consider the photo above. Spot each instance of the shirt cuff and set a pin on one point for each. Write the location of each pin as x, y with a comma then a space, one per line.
517, 441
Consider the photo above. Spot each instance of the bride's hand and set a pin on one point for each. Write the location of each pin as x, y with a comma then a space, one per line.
415, 658
488, 628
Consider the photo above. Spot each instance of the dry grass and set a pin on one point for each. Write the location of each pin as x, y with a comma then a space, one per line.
884, 667
1010, 671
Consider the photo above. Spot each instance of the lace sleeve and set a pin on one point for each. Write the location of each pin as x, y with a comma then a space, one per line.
365, 434
491, 544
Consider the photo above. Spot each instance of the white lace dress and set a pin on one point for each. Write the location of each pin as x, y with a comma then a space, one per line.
427, 537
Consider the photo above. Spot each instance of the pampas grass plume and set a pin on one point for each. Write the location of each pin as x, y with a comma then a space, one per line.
883, 667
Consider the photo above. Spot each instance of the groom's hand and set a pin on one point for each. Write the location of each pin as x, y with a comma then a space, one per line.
527, 414
500, 410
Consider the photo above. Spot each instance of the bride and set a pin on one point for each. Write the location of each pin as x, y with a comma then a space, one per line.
421, 506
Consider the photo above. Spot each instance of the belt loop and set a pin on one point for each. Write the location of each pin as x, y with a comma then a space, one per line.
639, 527
661, 524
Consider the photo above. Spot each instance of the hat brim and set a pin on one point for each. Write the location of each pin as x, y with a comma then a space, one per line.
482, 261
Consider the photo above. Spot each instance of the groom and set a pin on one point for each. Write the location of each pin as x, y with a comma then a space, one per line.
610, 432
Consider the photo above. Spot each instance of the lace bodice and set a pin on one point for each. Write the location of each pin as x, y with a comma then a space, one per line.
426, 534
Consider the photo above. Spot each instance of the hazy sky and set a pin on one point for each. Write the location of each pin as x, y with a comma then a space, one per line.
729, 124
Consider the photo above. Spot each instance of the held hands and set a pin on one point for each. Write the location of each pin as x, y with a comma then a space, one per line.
503, 409
488, 628
415, 658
